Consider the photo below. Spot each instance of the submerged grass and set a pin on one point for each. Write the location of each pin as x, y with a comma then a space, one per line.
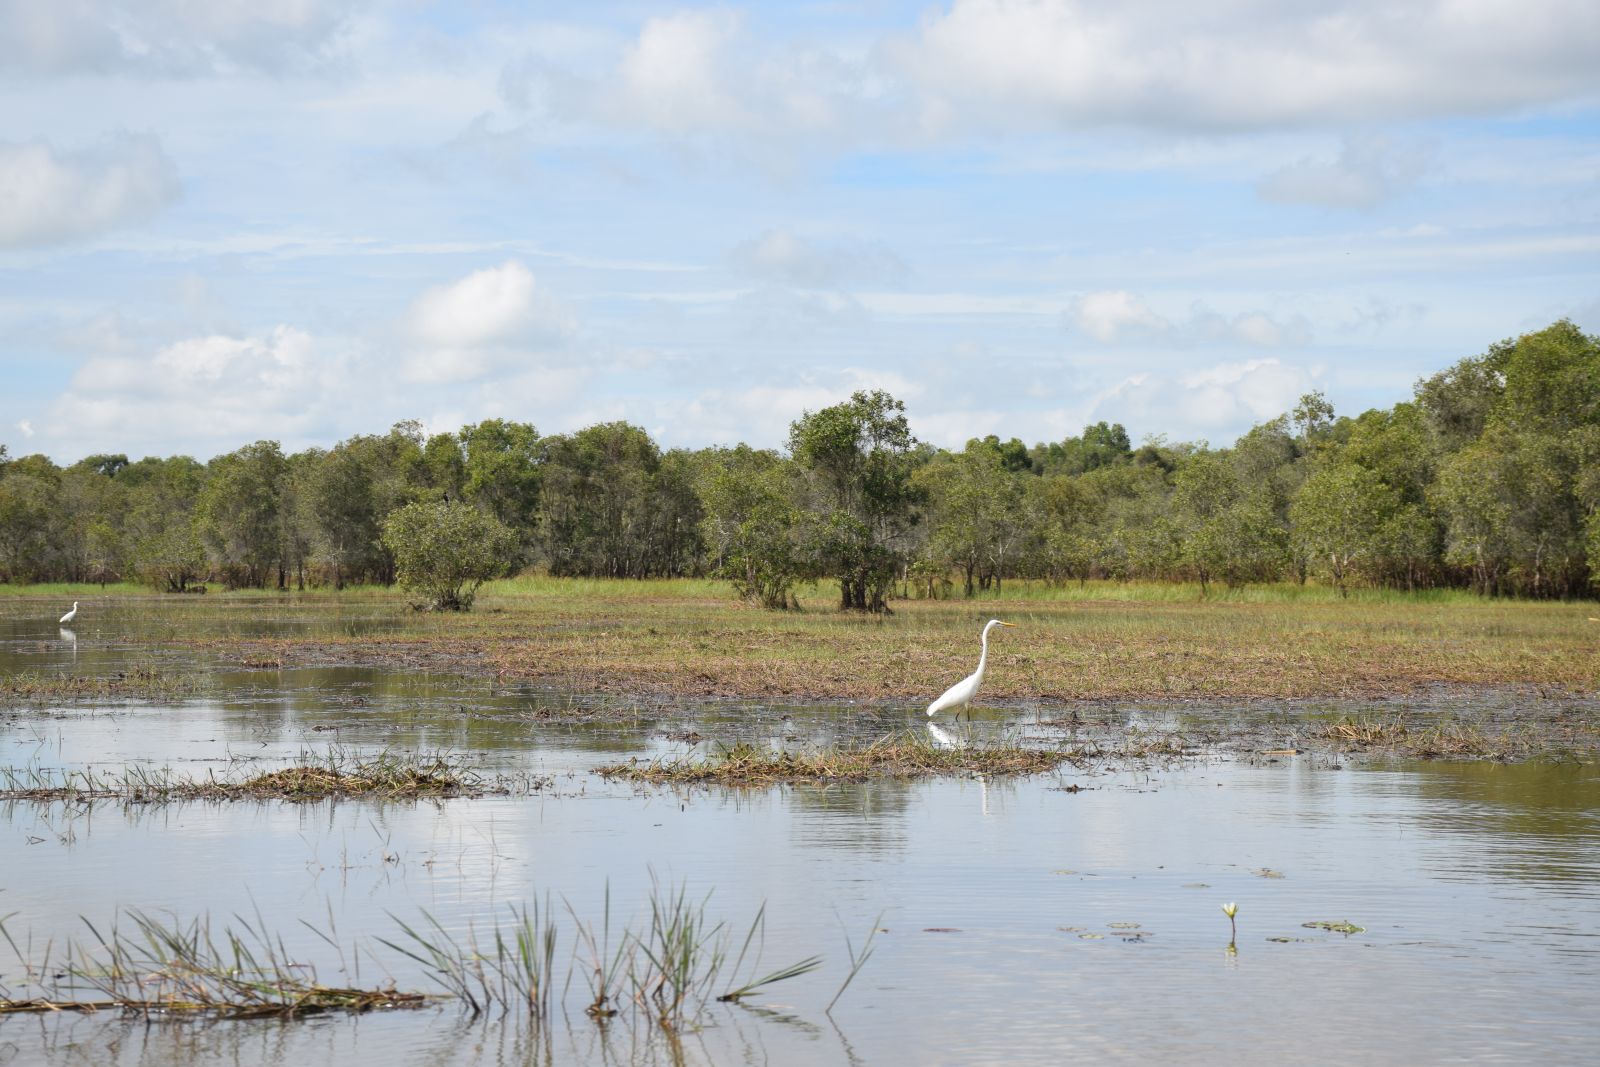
143, 680
335, 774
1446, 739
895, 756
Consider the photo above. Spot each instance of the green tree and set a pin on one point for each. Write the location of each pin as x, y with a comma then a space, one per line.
502, 464
977, 511
26, 508
1222, 531
749, 524
163, 543
1100, 445
855, 461
444, 465
1341, 517
613, 506
239, 515
446, 551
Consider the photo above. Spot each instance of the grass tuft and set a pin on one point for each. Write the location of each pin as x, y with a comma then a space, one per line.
143, 680
336, 774
895, 756
1447, 739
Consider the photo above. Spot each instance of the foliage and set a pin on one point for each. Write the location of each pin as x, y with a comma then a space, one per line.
446, 550
855, 462
1488, 479
750, 522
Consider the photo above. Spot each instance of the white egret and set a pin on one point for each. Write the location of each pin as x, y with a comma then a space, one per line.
961, 694
69, 616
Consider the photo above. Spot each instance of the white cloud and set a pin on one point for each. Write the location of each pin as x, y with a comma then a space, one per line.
1226, 398
783, 256
171, 37
1367, 171
47, 197
1248, 63
760, 414
485, 320
669, 78
25, 427
213, 392
699, 72
1113, 315
496, 304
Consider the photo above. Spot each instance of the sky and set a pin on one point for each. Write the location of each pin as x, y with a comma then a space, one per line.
299, 220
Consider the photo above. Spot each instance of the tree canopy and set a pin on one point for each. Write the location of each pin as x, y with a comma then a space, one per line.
1487, 478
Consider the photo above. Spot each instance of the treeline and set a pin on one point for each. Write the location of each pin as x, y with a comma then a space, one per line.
1489, 478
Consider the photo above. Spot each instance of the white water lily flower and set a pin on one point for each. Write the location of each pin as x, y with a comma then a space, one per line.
1230, 909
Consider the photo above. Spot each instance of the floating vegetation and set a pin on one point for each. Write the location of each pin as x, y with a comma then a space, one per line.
335, 774
143, 680
1447, 739
1340, 927
903, 756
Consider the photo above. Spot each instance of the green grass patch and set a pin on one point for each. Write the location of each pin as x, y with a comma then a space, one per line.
70, 591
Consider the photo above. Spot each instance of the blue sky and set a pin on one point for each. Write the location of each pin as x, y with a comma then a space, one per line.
305, 219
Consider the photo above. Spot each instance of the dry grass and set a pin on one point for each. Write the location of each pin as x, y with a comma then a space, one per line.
1446, 739
144, 680
692, 639
336, 774
1104, 641
891, 757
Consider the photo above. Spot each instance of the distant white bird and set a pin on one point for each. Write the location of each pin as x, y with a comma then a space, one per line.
961, 694
69, 616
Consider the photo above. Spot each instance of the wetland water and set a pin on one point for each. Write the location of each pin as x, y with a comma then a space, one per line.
1022, 921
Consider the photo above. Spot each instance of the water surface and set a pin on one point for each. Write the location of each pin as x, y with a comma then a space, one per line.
1021, 921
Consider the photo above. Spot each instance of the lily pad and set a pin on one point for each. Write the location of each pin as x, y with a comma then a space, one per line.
1091, 937
1341, 927
1123, 926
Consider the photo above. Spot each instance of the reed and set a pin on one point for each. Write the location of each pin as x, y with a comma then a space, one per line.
167, 968
663, 975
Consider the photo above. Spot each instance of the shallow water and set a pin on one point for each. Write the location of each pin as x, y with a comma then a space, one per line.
1007, 909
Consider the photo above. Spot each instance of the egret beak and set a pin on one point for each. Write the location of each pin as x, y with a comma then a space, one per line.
1011, 624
